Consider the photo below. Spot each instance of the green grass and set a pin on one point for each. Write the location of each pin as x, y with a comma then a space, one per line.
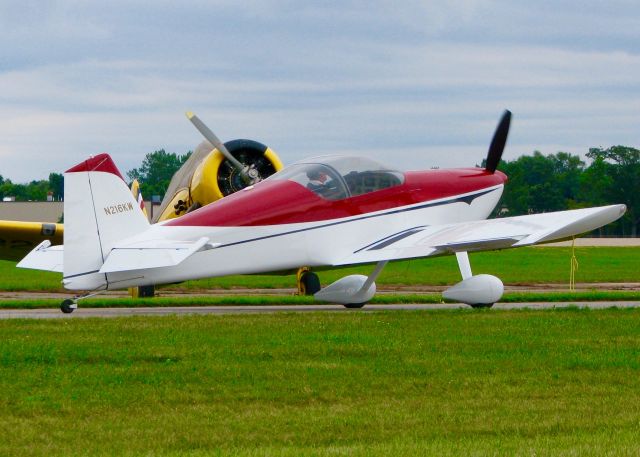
395, 383
515, 266
18, 279
270, 300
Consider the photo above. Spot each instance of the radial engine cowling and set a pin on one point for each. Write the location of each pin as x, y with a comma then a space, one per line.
208, 176
478, 291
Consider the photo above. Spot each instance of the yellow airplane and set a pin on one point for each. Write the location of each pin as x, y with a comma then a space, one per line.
208, 175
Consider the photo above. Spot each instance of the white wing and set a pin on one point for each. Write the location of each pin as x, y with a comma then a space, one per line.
483, 235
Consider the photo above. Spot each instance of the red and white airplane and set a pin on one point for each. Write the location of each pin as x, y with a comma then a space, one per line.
327, 211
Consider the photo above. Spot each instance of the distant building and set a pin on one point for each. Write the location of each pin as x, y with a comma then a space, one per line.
50, 211
31, 211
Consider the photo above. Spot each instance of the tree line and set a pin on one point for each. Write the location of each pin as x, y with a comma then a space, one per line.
36, 191
555, 182
537, 183
154, 176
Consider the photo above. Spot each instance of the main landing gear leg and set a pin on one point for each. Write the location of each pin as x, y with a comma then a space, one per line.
367, 284
70, 304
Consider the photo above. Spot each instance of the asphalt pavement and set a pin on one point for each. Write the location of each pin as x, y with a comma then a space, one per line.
200, 310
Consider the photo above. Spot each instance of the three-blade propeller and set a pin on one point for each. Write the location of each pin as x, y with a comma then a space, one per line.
498, 142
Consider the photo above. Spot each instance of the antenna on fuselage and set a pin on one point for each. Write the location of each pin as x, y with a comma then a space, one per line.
498, 142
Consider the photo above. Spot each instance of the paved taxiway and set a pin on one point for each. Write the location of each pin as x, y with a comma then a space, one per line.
186, 310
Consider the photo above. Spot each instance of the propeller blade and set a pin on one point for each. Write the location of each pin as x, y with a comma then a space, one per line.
213, 139
498, 142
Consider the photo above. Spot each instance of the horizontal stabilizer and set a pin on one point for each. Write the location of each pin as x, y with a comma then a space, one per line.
152, 254
44, 257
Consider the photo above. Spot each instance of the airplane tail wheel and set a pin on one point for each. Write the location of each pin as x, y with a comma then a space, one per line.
309, 283
354, 305
67, 306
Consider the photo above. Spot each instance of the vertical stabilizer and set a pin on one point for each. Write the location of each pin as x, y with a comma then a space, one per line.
99, 210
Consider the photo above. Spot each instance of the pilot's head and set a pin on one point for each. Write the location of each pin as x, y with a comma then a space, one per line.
317, 175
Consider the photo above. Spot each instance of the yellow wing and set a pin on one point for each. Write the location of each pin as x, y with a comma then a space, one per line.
18, 238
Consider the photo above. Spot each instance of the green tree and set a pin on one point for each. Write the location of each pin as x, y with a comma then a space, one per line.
36, 191
567, 170
56, 185
5, 188
156, 171
540, 183
9, 189
596, 183
622, 165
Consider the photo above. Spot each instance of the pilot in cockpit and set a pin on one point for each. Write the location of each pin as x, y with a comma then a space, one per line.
324, 183
317, 180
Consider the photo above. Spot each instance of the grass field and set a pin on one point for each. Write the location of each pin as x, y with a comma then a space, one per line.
394, 383
515, 266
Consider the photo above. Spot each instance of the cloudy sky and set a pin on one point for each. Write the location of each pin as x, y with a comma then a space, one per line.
415, 83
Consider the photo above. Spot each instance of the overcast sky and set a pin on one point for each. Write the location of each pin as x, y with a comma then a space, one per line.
415, 83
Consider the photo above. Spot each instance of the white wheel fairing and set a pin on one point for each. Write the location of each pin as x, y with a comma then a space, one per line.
476, 290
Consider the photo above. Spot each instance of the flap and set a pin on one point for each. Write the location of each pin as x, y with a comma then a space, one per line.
152, 254
479, 245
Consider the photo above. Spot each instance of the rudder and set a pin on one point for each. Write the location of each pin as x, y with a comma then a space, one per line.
99, 210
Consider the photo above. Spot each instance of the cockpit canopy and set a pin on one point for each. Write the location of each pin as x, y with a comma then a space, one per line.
338, 177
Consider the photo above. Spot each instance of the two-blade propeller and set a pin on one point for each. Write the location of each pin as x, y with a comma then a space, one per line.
498, 142
248, 173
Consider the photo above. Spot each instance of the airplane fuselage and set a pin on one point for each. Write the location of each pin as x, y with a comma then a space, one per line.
279, 225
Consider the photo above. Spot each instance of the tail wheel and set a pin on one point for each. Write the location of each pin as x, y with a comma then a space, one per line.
68, 305
354, 305
309, 283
